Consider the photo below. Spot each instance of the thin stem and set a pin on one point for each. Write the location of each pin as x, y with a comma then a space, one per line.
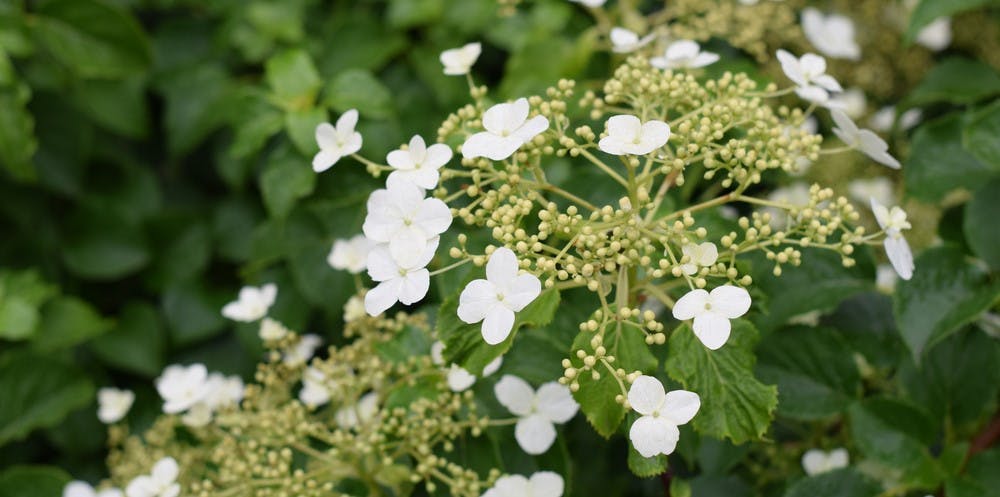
449, 267
604, 167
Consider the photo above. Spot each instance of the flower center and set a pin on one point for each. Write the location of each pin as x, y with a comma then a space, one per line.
708, 306
500, 296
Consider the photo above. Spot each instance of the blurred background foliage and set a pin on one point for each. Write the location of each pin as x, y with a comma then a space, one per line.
155, 157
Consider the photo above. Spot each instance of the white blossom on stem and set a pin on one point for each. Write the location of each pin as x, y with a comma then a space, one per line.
712, 311
700, 255
161, 482
656, 432
864, 140
302, 351
401, 217
832, 34
541, 484
684, 54
458, 61
627, 135
252, 304
338, 142
182, 387
816, 461
809, 75
358, 414
113, 404
419, 164
507, 129
494, 300
537, 412
397, 282
893, 222
314, 391
627, 41
349, 255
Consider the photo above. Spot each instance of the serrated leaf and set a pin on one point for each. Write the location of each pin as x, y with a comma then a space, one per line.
945, 293
845, 482
645, 467
734, 404
889, 431
938, 163
464, 344
813, 369
93, 38
38, 392
980, 136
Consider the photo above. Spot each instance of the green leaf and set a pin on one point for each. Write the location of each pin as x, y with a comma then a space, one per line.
464, 344
18, 318
813, 369
137, 343
93, 38
17, 132
929, 10
372, 45
945, 293
979, 224
257, 123
301, 128
33, 481
285, 180
981, 477
293, 79
119, 106
956, 81
734, 404
183, 249
846, 482
410, 13
196, 104
981, 136
68, 321
938, 163
894, 434
645, 467
106, 252
409, 342
193, 313
359, 89
38, 392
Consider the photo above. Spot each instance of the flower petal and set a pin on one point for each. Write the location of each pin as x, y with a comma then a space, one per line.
497, 324
535, 434
899, 255
165, 471
646, 395
712, 329
501, 269
346, 122
653, 436
434, 216
381, 265
555, 402
532, 127
459, 379
515, 394
414, 286
325, 159
326, 136
515, 115
382, 297
680, 406
476, 301
437, 156
522, 291
690, 305
730, 301
400, 160
546, 484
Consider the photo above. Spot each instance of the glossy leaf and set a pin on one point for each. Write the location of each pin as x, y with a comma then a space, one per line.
957, 81
38, 392
894, 434
938, 163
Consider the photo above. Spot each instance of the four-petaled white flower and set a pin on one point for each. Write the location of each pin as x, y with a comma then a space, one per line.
700, 255
338, 142
113, 404
315, 391
684, 54
350, 254
809, 75
78, 488
936, 36
302, 351
656, 432
893, 222
459, 379
627, 135
397, 282
627, 41
832, 35
507, 129
252, 304
712, 312
358, 414
541, 484
495, 299
537, 412
419, 164
401, 217
161, 482
223, 391
864, 140
458, 61
182, 387
816, 461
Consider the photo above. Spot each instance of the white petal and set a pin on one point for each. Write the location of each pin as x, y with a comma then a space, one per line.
523, 290
623, 37
492, 367
459, 379
381, 265
437, 156
515, 115
535, 434
652, 436
326, 136
532, 127
476, 301
497, 324
646, 395
141, 486
791, 67
555, 402
682, 50
515, 394
814, 462
730, 301
165, 471
382, 297
875, 147
434, 216
625, 127
78, 488
512, 486
813, 94
346, 123
680, 406
611, 145
400, 160
546, 484
712, 329
495, 117
415, 286
899, 255
491, 146
501, 269
690, 305
654, 135
704, 59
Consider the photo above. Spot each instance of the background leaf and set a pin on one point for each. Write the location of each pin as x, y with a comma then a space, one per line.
38, 392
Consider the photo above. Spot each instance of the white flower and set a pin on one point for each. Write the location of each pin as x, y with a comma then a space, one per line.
852, 102
626, 41
182, 387
863, 190
893, 222
314, 390
360, 413
301, 351
271, 330
459, 379
338, 142
458, 61
936, 36
252, 304
419, 164
349, 255
397, 282
590, 3
354, 309
536, 411
864, 140
495, 299
809, 75
684, 54
815, 461
223, 391
113, 404
885, 278
627, 135
883, 120
701, 255
161, 482
712, 312
78, 488
507, 128
541, 484
197, 416
655, 432
401, 217
833, 34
